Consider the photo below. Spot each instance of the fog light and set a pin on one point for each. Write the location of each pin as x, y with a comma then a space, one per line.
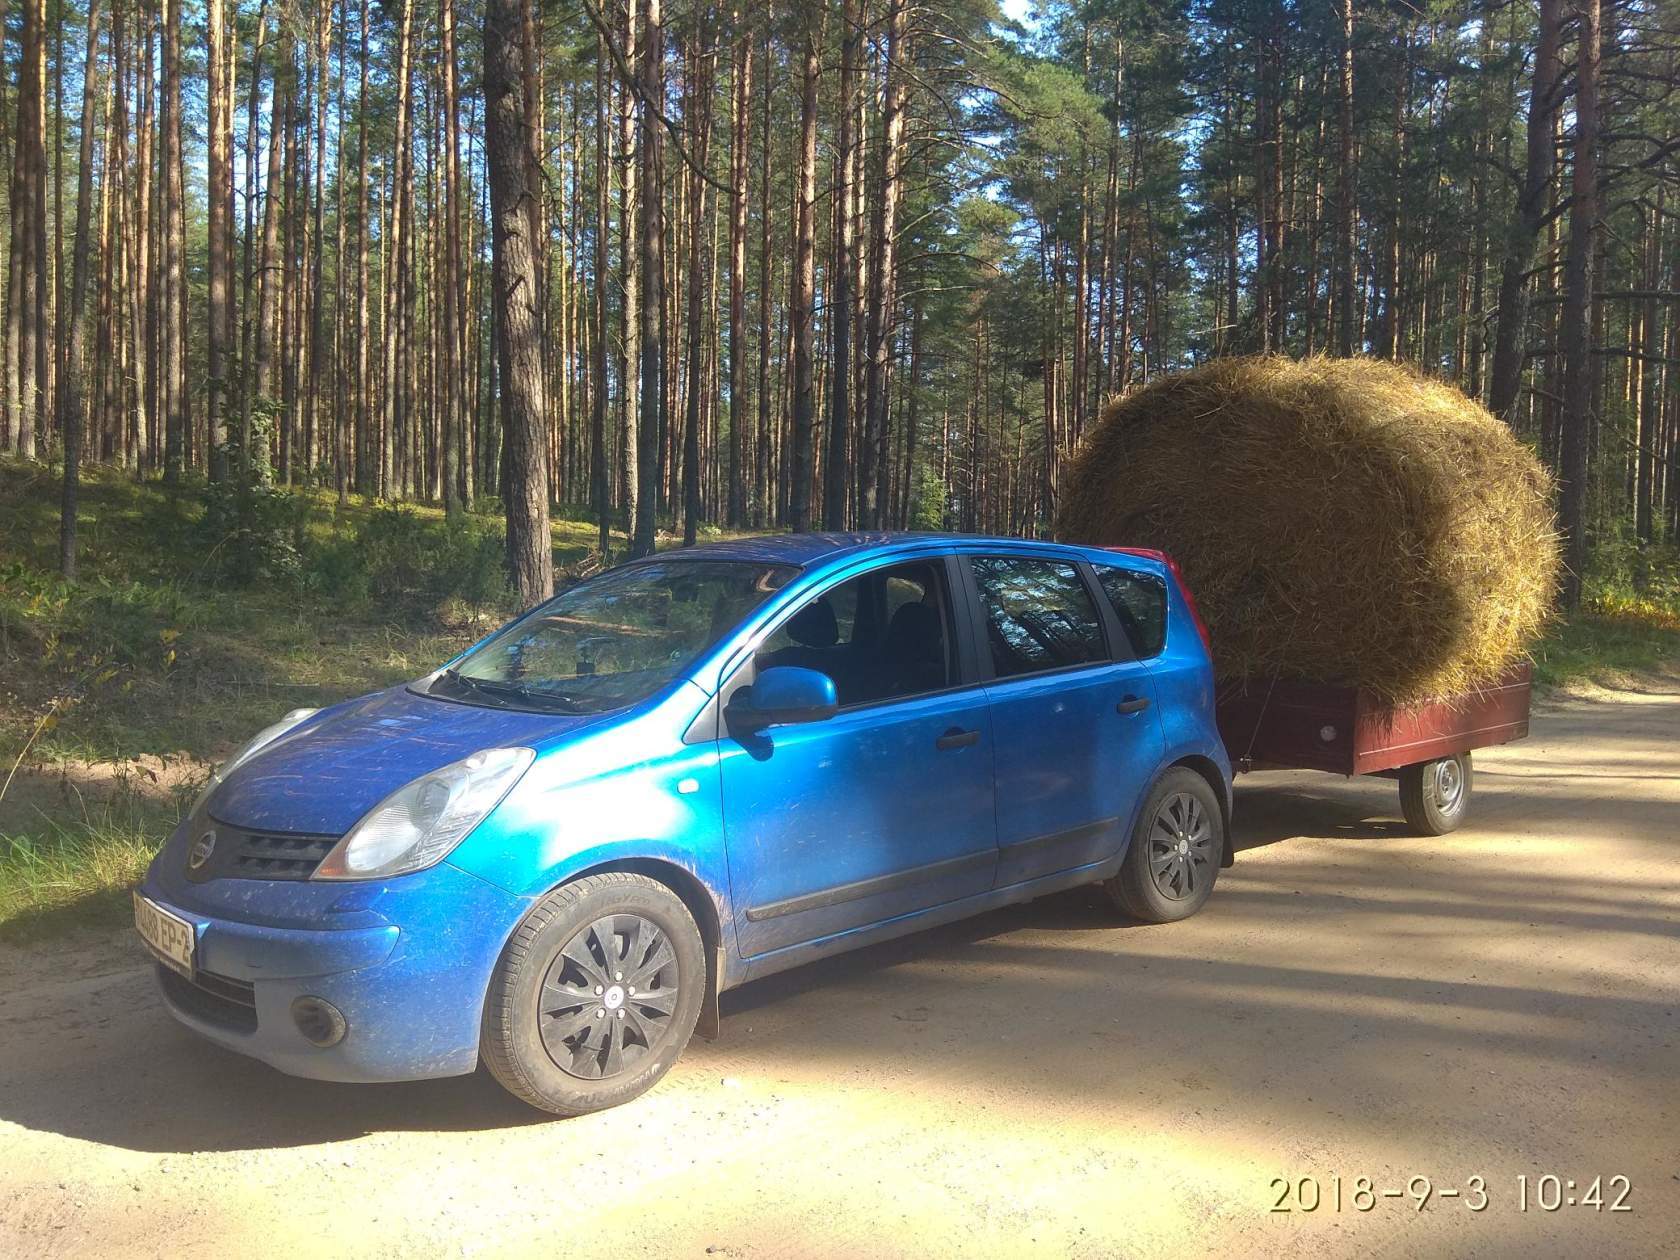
318, 1020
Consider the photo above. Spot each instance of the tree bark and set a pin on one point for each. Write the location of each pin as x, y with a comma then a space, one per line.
1576, 330
453, 297
883, 257
25, 382
1505, 380
72, 410
172, 260
846, 168
803, 288
1347, 179
740, 165
651, 196
598, 462
698, 114
507, 79
219, 224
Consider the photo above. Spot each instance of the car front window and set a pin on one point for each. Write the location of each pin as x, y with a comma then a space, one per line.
614, 639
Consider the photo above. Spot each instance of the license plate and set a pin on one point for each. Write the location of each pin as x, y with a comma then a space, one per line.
167, 935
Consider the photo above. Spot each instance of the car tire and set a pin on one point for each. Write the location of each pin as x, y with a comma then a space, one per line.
1177, 845
1435, 795
565, 1027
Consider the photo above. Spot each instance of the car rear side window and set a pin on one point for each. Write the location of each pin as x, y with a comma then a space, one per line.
1140, 601
1039, 615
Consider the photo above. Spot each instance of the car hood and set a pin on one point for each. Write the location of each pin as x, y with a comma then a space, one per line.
323, 777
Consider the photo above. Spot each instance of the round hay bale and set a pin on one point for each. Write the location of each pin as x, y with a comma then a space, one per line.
1339, 520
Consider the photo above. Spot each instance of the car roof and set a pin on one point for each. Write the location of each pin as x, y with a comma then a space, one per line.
806, 550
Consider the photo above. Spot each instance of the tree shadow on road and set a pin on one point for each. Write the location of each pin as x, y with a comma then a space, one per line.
1299, 975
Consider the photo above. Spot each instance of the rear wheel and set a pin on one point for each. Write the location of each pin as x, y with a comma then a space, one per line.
1173, 860
1435, 795
596, 994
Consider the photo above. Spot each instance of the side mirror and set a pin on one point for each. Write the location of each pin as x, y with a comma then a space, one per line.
783, 695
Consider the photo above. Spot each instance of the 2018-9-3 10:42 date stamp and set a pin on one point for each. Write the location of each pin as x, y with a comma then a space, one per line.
1546, 1192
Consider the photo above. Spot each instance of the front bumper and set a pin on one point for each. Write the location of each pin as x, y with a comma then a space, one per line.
407, 962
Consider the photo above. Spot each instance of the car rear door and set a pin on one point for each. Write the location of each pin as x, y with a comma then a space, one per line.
1078, 740
886, 808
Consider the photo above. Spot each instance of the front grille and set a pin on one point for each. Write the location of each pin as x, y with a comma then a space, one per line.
278, 855
241, 854
219, 1000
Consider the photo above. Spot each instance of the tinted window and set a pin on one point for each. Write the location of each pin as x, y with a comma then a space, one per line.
1140, 601
1039, 615
881, 636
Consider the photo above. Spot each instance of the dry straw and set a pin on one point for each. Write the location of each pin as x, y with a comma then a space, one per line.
1341, 520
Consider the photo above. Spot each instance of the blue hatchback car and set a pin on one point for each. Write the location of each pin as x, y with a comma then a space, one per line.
553, 854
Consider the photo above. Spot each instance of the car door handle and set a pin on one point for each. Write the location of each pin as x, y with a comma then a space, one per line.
1132, 704
955, 738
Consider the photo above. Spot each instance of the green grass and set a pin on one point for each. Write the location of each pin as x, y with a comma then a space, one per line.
65, 874
1609, 647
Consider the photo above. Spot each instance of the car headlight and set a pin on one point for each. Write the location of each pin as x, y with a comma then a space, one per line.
417, 825
261, 740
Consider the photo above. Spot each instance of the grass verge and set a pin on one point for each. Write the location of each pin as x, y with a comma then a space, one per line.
67, 874
1611, 643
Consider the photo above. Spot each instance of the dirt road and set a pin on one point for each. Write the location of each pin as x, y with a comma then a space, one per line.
1353, 1003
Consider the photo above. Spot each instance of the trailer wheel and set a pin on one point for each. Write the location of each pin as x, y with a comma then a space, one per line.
1435, 795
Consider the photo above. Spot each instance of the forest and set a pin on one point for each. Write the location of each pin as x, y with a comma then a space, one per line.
672, 265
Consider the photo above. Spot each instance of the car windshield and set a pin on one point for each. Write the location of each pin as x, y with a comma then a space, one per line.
614, 639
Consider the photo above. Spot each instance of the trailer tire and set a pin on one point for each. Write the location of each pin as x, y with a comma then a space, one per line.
1435, 795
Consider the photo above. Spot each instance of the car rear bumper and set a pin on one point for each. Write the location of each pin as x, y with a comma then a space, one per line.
408, 970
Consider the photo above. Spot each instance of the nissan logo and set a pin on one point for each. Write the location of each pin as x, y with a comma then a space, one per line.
202, 848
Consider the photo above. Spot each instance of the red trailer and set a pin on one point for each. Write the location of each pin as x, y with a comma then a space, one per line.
1285, 723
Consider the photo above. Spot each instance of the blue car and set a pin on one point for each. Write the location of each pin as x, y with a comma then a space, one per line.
553, 854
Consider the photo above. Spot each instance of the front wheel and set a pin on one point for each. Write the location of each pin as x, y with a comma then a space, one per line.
596, 994
1173, 860
1435, 795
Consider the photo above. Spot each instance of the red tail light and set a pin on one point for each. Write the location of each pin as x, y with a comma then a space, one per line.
1150, 553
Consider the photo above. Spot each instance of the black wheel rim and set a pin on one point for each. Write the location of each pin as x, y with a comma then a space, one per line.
1181, 847
608, 997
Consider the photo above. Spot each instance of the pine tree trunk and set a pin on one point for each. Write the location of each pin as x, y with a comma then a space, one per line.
698, 113
1505, 379
598, 462
802, 294
28, 263
764, 492
453, 298
219, 223
883, 256
1347, 177
846, 169
1576, 331
172, 261
629, 236
72, 411
651, 196
740, 165
508, 79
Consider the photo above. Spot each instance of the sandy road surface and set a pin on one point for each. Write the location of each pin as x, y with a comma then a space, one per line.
1353, 1002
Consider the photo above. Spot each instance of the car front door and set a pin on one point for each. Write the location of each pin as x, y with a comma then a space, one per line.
884, 809
1078, 738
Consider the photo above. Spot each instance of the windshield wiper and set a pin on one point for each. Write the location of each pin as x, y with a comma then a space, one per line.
513, 691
